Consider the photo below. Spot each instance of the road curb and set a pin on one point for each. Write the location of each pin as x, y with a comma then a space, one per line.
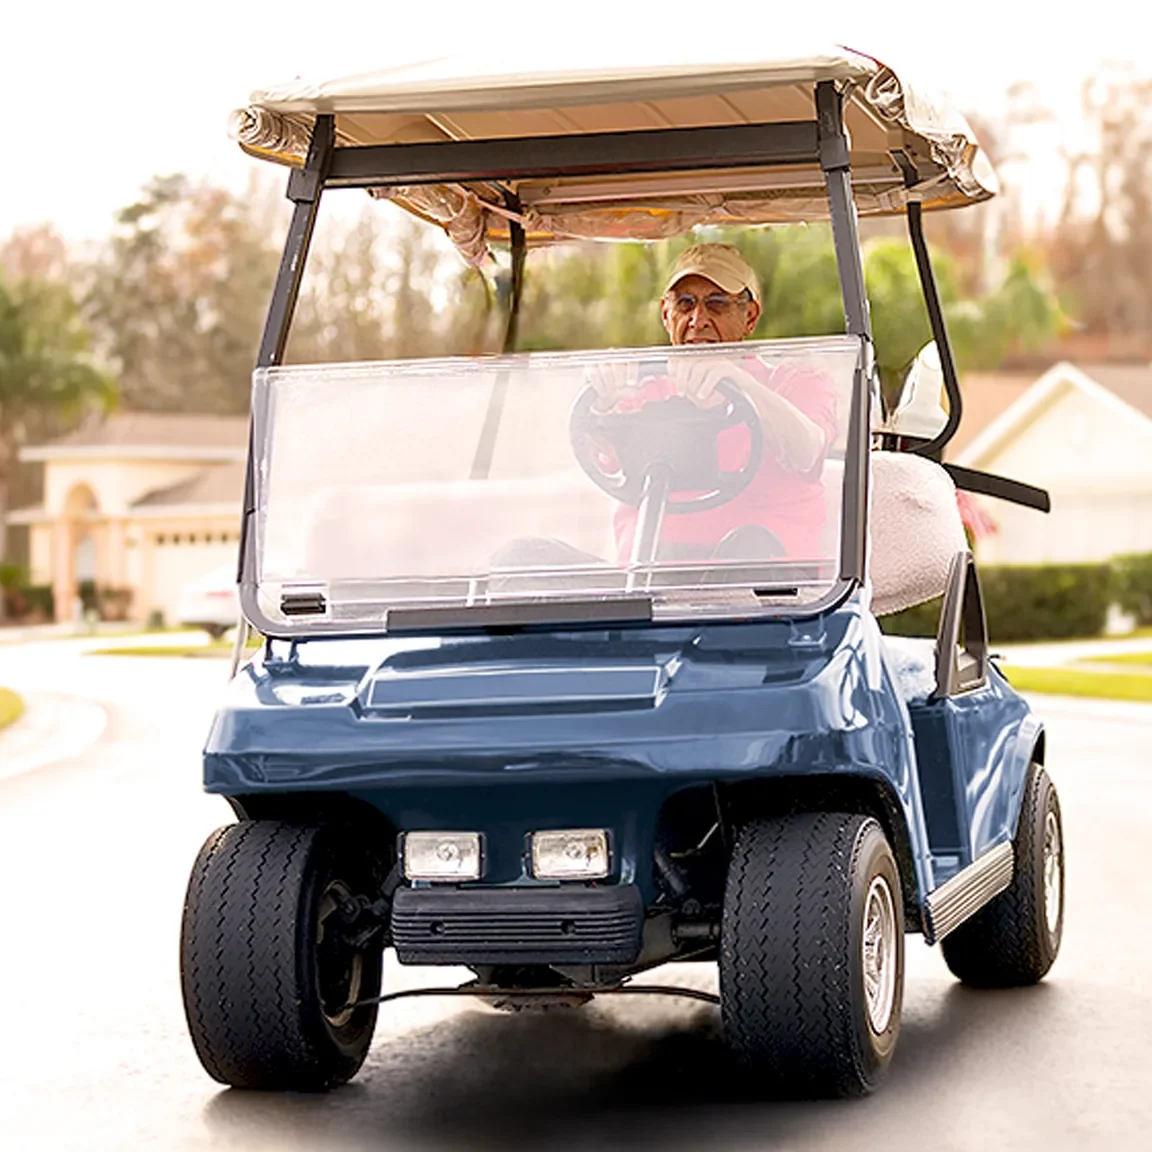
53, 728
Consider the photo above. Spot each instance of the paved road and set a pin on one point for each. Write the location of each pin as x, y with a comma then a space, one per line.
94, 855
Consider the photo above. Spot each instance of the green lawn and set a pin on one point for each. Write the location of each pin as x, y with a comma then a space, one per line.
1140, 659
192, 650
1073, 682
215, 648
11, 707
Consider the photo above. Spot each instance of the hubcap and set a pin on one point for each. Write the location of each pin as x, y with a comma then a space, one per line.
339, 966
1053, 873
878, 953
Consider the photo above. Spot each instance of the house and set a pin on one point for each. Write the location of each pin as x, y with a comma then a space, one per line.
1084, 433
140, 504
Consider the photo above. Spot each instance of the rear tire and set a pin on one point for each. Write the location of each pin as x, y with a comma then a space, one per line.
1013, 940
812, 953
265, 975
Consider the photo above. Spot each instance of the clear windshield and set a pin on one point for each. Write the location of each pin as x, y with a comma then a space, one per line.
708, 480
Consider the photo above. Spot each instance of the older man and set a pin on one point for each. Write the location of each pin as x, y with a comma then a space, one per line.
712, 297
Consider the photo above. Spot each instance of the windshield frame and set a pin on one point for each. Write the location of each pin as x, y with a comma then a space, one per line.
536, 607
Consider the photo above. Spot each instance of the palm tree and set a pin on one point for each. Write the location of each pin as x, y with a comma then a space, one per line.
46, 372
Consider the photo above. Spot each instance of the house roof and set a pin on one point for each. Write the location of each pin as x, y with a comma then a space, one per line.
1131, 382
221, 484
986, 395
1125, 388
183, 428
173, 434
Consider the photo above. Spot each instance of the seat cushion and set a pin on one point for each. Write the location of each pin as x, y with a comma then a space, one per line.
914, 530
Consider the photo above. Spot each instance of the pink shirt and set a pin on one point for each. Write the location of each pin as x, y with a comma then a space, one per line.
789, 504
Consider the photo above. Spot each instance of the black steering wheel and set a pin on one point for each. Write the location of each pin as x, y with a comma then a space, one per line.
674, 435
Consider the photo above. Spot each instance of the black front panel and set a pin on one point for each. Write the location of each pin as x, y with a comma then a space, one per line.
568, 925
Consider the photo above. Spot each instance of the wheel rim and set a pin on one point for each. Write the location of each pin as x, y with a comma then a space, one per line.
879, 954
1053, 873
339, 966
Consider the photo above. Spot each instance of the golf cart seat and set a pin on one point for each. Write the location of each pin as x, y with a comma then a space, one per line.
916, 533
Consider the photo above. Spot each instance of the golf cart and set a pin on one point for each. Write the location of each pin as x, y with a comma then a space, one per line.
516, 710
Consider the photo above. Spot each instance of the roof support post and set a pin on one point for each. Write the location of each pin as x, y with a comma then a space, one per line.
834, 152
304, 188
934, 447
837, 179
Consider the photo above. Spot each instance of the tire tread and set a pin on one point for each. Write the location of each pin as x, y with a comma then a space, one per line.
786, 972
247, 1012
1003, 945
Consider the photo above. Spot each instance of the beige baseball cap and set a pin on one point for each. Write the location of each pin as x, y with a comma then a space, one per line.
720, 263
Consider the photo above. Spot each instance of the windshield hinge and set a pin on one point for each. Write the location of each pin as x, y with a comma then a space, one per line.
303, 604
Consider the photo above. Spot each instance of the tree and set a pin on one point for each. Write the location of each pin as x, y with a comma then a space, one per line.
179, 295
354, 308
1101, 247
47, 370
598, 295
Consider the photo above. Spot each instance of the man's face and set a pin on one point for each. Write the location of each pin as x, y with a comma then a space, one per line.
696, 311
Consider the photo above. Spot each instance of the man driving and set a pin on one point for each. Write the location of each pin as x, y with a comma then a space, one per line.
712, 296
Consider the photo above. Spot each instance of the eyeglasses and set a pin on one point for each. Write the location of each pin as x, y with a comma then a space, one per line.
717, 303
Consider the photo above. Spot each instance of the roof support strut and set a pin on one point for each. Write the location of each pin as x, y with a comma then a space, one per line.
838, 181
846, 240
934, 447
304, 189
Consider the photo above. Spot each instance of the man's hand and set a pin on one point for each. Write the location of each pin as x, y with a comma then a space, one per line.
612, 380
698, 379
795, 440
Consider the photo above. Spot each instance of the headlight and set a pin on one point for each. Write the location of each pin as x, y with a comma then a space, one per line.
576, 854
442, 855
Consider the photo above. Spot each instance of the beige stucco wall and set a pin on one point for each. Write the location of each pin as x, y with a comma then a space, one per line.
1095, 458
116, 483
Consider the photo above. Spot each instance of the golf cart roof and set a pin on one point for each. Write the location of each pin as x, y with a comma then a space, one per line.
905, 144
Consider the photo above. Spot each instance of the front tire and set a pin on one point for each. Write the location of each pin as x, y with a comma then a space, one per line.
812, 953
267, 977
1013, 940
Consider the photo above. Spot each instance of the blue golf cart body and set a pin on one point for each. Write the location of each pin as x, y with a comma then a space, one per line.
636, 730
496, 721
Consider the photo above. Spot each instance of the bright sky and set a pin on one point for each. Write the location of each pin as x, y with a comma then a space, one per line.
99, 97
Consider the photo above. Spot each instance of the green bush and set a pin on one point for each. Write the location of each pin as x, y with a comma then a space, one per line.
89, 595
1133, 577
39, 600
1032, 602
12, 576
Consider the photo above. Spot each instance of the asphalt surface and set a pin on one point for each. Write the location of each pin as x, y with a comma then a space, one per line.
101, 816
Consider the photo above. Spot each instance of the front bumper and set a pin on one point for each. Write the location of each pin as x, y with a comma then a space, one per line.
560, 925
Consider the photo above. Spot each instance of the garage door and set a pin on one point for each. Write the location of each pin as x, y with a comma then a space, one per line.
182, 558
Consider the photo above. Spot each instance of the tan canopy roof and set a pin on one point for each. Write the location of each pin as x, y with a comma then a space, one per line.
889, 123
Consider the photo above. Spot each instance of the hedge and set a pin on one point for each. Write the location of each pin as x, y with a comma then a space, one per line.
1133, 576
1028, 602
29, 600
